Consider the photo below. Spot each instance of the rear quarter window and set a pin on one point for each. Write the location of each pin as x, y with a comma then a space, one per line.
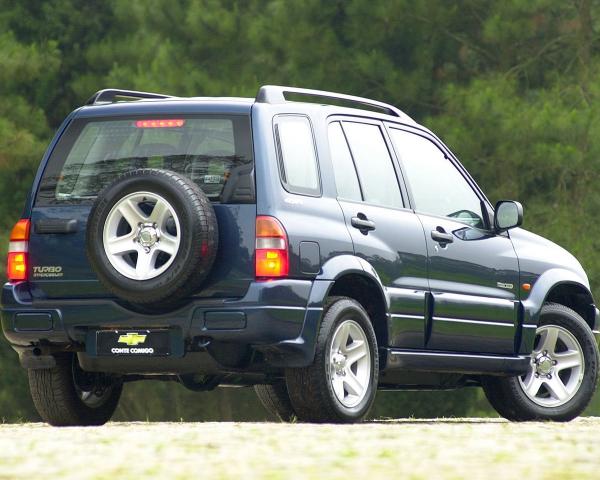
213, 151
297, 155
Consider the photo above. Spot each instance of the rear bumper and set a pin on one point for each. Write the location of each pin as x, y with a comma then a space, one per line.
279, 318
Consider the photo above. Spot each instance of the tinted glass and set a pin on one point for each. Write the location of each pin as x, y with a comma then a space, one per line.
298, 157
437, 186
374, 164
346, 180
214, 152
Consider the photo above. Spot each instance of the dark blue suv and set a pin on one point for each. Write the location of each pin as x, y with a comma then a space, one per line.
313, 245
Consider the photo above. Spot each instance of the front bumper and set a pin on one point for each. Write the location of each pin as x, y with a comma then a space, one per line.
279, 318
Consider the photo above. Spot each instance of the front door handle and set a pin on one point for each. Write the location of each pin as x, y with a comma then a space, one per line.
440, 236
362, 223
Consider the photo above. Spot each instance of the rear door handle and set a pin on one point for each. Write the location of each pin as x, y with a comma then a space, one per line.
362, 223
440, 236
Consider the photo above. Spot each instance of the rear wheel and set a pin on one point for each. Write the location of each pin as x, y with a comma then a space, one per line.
276, 400
67, 396
341, 384
562, 374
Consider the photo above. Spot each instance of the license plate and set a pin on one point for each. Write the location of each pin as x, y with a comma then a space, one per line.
138, 343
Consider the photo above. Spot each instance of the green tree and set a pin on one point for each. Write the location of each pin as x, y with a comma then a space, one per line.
509, 85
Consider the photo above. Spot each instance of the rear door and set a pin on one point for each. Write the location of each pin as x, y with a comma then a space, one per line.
473, 272
384, 232
213, 150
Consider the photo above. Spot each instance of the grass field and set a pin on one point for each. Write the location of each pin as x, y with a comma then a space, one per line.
399, 449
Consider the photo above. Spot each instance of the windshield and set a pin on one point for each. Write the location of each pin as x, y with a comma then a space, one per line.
213, 151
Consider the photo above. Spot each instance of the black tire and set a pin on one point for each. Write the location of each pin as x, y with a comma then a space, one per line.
276, 400
509, 399
58, 398
310, 389
199, 238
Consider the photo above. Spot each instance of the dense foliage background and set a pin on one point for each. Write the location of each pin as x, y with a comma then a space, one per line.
510, 85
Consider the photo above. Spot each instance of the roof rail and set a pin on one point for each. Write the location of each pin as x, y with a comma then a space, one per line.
276, 94
108, 95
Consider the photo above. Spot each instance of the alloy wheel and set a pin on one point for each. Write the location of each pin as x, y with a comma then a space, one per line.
350, 363
556, 369
141, 235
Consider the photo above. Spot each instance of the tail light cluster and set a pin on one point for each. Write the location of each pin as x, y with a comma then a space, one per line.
17, 251
272, 258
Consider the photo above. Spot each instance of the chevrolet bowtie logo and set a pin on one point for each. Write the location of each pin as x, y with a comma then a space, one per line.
132, 339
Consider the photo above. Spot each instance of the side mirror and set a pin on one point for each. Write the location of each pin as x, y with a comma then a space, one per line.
508, 214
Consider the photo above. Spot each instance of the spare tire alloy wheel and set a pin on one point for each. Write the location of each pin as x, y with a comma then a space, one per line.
557, 367
153, 239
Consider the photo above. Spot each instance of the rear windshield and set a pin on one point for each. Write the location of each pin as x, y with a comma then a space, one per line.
213, 151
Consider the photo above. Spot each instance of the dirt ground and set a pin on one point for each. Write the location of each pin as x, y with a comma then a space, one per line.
398, 449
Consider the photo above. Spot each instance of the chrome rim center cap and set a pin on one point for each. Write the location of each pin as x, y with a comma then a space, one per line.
147, 236
544, 365
339, 362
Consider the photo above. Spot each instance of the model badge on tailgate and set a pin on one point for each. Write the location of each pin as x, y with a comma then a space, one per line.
47, 271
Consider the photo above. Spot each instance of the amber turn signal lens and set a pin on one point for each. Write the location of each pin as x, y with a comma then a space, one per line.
20, 231
269, 227
526, 287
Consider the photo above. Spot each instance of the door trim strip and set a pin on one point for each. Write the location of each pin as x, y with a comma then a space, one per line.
478, 322
406, 315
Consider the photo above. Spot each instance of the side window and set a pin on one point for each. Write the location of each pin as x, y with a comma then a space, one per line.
437, 186
374, 164
346, 180
297, 156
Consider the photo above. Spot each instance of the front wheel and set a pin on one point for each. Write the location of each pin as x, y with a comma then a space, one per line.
65, 395
341, 384
562, 374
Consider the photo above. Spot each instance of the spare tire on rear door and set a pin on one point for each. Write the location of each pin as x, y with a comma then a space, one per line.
152, 237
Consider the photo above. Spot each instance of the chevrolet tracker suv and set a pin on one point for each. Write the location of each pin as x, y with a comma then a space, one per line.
314, 245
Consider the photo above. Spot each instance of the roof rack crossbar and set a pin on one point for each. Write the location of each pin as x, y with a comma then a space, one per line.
276, 94
108, 95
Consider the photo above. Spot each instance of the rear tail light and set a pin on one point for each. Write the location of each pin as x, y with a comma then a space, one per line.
272, 259
17, 251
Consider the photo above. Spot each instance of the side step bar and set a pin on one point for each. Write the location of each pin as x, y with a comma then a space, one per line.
421, 361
